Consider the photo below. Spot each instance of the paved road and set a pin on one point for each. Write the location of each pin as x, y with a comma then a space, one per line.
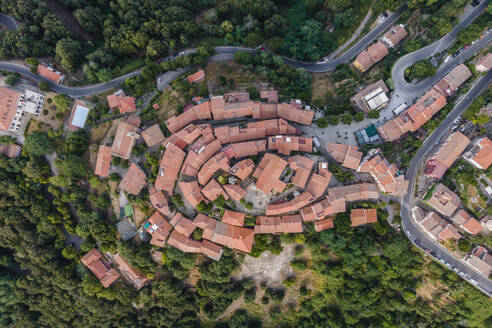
9, 22
409, 201
408, 91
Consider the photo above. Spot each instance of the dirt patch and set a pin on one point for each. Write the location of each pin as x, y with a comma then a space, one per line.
237, 77
321, 83
66, 17
168, 101
114, 194
99, 132
193, 277
273, 269
35, 125
139, 216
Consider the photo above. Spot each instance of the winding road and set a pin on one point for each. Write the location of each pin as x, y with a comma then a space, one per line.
9, 22
410, 227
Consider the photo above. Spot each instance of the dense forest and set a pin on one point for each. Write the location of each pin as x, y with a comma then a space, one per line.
120, 34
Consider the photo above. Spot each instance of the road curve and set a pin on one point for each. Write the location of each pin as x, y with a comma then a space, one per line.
408, 201
9, 22
410, 90
223, 54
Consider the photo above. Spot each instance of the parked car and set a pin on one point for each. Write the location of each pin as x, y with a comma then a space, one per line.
466, 47
473, 281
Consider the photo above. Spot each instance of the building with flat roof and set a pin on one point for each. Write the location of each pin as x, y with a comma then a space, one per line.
372, 97
78, 116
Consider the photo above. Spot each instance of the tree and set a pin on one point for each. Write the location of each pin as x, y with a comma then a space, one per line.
334, 120
44, 86
253, 93
322, 122
39, 143
78, 142
72, 166
11, 79
359, 117
62, 102
347, 119
374, 114
239, 319
69, 53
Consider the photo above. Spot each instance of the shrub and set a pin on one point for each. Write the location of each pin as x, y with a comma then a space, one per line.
374, 114
322, 123
114, 177
347, 119
250, 295
334, 120
265, 300
12, 79
359, 117
277, 295
299, 264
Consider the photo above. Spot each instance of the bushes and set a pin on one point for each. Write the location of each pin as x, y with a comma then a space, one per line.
264, 242
322, 123
420, 70
374, 114
277, 295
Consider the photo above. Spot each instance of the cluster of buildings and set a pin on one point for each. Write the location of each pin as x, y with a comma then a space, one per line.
107, 275
446, 204
378, 50
427, 106
263, 156
14, 105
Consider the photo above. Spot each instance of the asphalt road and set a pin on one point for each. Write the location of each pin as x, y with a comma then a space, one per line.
408, 201
9, 22
411, 90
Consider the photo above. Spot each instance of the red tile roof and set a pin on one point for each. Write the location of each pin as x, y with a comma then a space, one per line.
324, 224
8, 107
362, 216
318, 184
213, 190
213, 165
481, 154
277, 224
291, 206
158, 228
367, 58
50, 73
191, 192
159, 201
103, 162
196, 77
230, 134
274, 127
125, 103
134, 180
242, 169
137, 278
211, 250
153, 135
198, 112
472, 226
124, 140
446, 155
99, 267
268, 173
245, 149
182, 225
233, 218
169, 167
235, 191
327, 206
290, 113
302, 167
347, 156
443, 200
286, 144
198, 154
485, 63
271, 96
183, 243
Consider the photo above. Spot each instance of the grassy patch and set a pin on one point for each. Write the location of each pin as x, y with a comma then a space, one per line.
128, 65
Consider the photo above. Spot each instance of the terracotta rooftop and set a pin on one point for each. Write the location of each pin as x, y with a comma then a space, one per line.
485, 63
213, 190
480, 155
196, 77
290, 113
318, 184
184, 137
302, 166
394, 35
191, 192
198, 112
324, 224
245, 149
438, 227
444, 200
242, 169
460, 217
347, 156
99, 267
184, 243
159, 201
414, 117
224, 110
268, 173
153, 135
11, 150
103, 162
229, 134
198, 154
124, 140
446, 155
214, 164
221, 233
119, 99
211, 250
134, 180
158, 228
286, 144
169, 167
367, 58
182, 225
235, 191
274, 127
327, 206
8, 107
355, 192
385, 174
276, 224
233, 218
50, 73
291, 206
270, 96
472, 226
262, 111
360, 216
453, 80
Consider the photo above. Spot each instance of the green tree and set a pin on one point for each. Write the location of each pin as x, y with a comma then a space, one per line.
44, 86
334, 120
11, 79
39, 143
347, 119
62, 102
374, 114
69, 53
322, 122
359, 117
